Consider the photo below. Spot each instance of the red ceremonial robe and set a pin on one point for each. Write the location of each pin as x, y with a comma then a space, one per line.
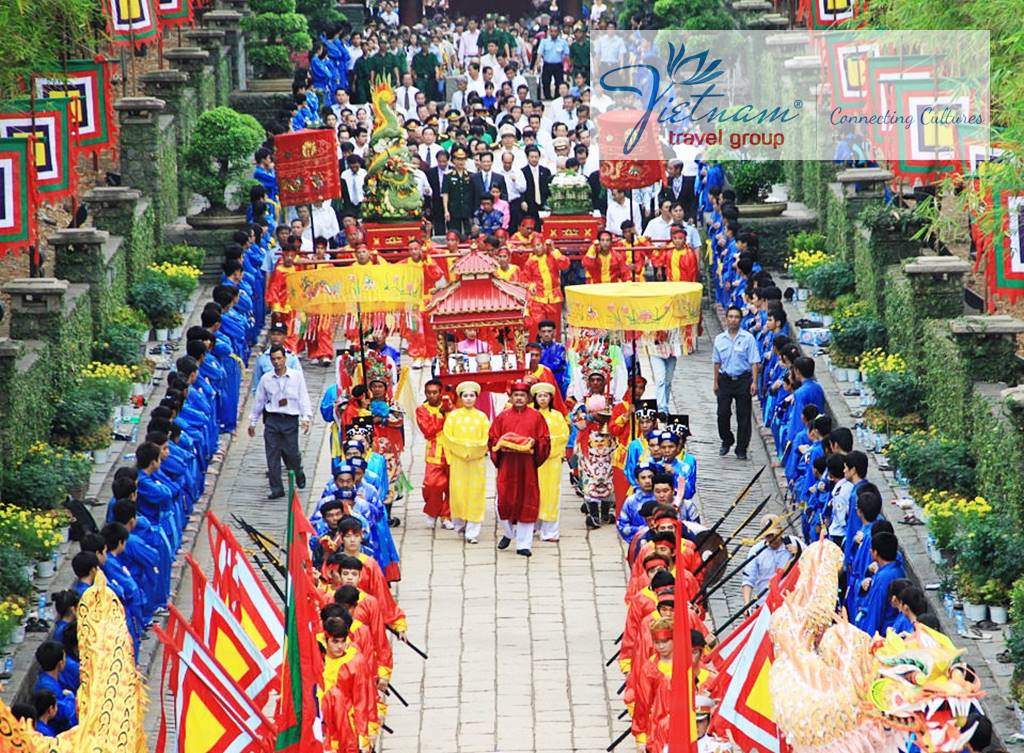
518, 488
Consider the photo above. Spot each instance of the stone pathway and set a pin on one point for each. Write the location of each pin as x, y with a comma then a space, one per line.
517, 648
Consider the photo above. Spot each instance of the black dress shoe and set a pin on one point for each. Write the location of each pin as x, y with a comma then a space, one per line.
300, 480
394, 522
724, 450
505, 541
524, 552
275, 495
741, 454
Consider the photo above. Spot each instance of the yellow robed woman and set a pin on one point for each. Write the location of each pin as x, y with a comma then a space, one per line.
549, 475
465, 446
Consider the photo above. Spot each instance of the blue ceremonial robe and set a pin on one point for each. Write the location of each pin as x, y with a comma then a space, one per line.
142, 562
553, 356
629, 521
67, 708
808, 393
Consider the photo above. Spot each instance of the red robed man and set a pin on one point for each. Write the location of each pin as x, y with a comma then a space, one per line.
680, 262
277, 295
422, 345
542, 272
519, 443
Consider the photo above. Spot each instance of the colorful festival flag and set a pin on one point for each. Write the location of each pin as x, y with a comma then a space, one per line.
86, 83
51, 126
307, 166
742, 662
246, 595
338, 290
825, 14
131, 22
846, 56
298, 714
17, 211
228, 641
212, 713
172, 13
881, 72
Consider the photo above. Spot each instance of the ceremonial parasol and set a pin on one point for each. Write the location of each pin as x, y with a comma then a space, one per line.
634, 306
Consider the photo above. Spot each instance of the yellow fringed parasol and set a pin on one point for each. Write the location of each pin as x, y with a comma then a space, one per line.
342, 290
634, 306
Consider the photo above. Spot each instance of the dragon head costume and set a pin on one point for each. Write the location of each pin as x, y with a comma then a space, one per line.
392, 194
834, 689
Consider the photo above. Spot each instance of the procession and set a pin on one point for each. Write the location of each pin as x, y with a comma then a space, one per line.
487, 401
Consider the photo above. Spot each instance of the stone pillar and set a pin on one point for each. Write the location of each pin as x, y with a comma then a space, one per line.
149, 153
212, 40
93, 257
937, 283
989, 345
127, 213
172, 86
36, 306
230, 22
195, 63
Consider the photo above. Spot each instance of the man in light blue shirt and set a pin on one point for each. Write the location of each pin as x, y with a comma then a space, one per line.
736, 359
773, 553
278, 334
553, 48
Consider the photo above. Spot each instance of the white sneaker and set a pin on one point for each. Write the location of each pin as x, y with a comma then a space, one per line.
447, 524
472, 541
431, 522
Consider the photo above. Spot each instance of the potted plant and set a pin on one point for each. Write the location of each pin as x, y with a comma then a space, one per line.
752, 180
930, 460
36, 535
183, 280
154, 296
996, 595
830, 280
217, 160
82, 420
44, 478
801, 264
275, 31
988, 558
12, 626
894, 230
181, 253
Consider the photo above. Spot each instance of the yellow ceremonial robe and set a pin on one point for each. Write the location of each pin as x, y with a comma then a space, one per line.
549, 475
465, 447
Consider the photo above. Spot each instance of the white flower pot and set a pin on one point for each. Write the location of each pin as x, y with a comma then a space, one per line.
138, 389
999, 615
975, 612
934, 554
100, 456
853, 375
881, 439
840, 374
18, 636
826, 320
46, 568
160, 335
802, 294
177, 332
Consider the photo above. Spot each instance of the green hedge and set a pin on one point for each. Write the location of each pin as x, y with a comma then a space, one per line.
946, 380
868, 273
900, 315
838, 227
26, 403
998, 448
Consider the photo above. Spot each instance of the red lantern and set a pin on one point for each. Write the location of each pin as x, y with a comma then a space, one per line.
643, 165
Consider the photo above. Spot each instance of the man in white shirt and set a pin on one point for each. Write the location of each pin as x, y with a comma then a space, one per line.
389, 16
362, 142
282, 400
341, 103
354, 178
428, 148
468, 51
490, 60
475, 80
660, 228
355, 50
325, 221
405, 97
619, 211
515, 181
514, 77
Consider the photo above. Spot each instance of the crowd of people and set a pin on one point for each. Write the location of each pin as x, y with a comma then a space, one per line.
492, 112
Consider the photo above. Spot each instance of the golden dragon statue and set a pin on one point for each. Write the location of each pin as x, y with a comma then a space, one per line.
111, 701
835, 689
392, 193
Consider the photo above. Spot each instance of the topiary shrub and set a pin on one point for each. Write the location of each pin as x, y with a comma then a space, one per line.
218, 157
276, 31
752, 180
831, 280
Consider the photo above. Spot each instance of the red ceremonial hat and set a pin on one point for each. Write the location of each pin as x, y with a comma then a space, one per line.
452, 234
518, 385
527, 222
678, 231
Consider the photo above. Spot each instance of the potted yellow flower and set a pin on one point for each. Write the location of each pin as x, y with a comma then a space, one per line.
37, 535
12, 625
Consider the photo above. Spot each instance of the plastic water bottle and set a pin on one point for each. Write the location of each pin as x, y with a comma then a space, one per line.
958, 617
948, 603
8, 664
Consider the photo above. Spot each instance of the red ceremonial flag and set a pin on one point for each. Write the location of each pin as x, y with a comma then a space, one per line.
302, 674
228, 641
682, 722
245, 594
212, 713
307, 166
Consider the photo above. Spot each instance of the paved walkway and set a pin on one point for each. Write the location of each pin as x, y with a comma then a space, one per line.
517, 646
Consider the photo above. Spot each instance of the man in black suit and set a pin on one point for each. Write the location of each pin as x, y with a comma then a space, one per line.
435, 177
679, 189
538, 184
485, 177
